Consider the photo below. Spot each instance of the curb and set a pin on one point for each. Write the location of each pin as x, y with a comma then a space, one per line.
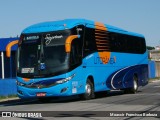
9, 99
154, 81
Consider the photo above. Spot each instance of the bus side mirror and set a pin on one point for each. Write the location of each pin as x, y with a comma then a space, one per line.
8, 47
69, 41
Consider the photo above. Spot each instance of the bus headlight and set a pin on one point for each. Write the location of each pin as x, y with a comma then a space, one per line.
20, 83
45, 83
65, 80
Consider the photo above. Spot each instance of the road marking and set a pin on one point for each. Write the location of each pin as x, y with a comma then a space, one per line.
156, 86
155, 81
148, 94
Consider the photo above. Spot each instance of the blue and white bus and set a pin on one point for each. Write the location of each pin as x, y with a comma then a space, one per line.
79, 57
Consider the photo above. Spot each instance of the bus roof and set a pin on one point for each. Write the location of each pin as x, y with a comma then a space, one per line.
70, 23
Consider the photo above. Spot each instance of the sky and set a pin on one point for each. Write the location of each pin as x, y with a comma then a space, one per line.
140, 16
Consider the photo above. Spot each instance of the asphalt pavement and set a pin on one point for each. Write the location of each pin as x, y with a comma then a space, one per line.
116, 105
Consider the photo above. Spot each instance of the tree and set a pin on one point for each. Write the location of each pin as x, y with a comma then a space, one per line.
150, 48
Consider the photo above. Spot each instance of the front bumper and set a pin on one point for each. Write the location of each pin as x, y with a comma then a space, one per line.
54, 91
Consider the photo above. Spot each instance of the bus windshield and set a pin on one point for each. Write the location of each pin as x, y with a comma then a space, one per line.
42, 55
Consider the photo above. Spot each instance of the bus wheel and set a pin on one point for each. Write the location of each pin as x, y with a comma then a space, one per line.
89, 91
134, 89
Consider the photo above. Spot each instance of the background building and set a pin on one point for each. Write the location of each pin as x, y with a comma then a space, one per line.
154, 55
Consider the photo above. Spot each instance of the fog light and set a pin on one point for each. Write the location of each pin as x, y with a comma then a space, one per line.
63, 90
20, 92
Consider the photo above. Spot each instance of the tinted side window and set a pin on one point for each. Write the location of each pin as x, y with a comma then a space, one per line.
76, 52
102, 40
89, 42
126, 43
118, 42
142, 45
136, 45
76, 46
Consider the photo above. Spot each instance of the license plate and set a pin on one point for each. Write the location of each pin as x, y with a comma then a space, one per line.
41, 94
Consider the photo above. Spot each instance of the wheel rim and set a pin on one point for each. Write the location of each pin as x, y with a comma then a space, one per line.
135, 85
88, 89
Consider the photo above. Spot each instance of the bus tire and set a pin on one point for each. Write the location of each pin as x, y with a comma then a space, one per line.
89, 91
134, 88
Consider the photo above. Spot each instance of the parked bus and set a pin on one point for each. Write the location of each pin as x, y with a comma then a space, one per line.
79, 57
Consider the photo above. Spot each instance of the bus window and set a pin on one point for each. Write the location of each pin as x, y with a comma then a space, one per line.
89, 41
76, 52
